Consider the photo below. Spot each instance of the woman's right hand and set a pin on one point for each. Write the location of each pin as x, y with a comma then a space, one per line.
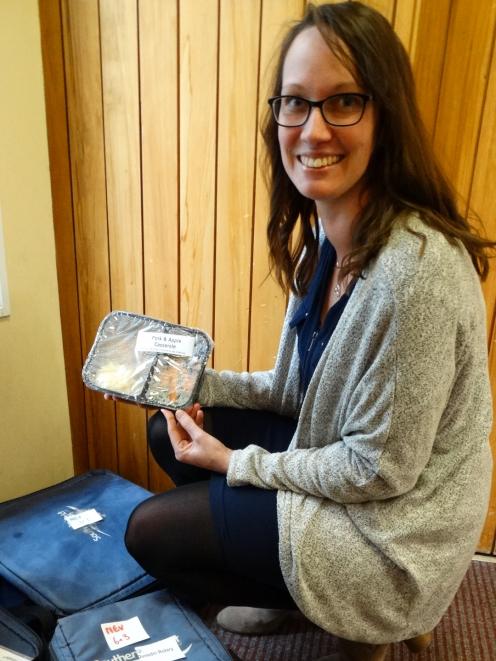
192, 444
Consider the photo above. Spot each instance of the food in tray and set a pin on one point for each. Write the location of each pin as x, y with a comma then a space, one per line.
173, 379
118, 377
146, 360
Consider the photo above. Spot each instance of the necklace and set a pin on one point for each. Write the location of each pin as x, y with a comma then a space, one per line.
337, 290
341, 285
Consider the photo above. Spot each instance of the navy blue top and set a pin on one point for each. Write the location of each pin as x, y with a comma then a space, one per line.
312, 337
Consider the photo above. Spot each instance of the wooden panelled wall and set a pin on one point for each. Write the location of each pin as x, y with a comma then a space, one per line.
159, 201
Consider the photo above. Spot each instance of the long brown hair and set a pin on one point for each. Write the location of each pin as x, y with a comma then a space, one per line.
403, 175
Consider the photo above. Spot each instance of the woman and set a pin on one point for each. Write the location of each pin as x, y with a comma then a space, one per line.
351, 480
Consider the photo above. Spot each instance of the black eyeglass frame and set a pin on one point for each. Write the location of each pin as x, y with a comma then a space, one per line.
318, 104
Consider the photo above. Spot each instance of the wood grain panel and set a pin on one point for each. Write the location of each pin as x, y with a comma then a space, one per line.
159, 136
60, 176
198, 34
84, 104
321, 2
487, 542
483, 195
483, 203
463, 87
268, 302
160, 176
120, 81
238, 79
427, 53
405, 22
385, 7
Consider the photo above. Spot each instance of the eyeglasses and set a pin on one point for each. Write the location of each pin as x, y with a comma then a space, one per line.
337, 110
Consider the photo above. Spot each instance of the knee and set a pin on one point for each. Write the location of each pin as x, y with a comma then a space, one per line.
158, 442
157, 431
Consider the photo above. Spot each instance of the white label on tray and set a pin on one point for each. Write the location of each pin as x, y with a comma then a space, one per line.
165, 650
177, 345
84, 518
10, 655
124, 633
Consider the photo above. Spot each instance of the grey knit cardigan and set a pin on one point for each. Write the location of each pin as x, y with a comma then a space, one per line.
383, 491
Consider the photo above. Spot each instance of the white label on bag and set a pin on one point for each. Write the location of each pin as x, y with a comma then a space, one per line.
83, 518
126, 632
177, 345
10, 655
165, 650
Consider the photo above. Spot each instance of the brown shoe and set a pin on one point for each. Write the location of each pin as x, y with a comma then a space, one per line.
419, 643
352, 651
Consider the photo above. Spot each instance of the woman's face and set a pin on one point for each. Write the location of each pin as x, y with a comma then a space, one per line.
324, 162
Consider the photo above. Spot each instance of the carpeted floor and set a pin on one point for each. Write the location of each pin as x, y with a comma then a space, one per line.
467, 632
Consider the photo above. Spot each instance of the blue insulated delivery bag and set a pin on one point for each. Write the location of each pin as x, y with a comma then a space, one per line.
154, 626
17, 640
63, 547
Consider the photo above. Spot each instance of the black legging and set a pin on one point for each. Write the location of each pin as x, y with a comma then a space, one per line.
175, 536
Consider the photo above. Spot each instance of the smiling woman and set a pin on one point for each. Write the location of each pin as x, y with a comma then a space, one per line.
326, 161
371, 432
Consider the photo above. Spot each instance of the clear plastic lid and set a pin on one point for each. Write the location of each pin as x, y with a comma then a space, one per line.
147, 361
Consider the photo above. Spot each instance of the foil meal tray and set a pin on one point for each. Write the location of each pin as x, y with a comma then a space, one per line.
147, 361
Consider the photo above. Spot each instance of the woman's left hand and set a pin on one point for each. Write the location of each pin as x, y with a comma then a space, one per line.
192, 445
